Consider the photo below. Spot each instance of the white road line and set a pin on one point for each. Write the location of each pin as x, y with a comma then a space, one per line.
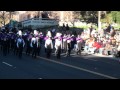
75, 67
7, 64
86, 70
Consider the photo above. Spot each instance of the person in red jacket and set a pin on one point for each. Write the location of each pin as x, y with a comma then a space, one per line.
97, 45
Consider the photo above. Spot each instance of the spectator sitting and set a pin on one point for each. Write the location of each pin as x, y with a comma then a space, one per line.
108, 49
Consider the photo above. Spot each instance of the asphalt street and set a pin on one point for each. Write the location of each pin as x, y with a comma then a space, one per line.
73, 67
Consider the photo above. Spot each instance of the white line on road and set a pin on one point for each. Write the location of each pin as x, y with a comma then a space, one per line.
75, 67
7, 64
86, 70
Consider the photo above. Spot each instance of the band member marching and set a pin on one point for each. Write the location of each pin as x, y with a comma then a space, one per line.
79, 45
20, 46
28, 43
41, 36
39, 46
56, 38
34, 45
58, 47
48, 46
28, 47
69, 39
47, 36
65, 43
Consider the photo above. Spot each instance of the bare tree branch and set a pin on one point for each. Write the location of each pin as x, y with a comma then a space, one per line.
4, 17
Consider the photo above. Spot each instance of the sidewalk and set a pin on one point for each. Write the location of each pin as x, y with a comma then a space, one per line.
99, 55
110, 56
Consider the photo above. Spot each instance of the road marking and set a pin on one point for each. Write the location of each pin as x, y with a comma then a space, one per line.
7, 64
78, 68
75, 67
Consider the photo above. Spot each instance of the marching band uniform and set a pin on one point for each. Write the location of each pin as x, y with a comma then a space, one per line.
34, 45
39, 46
79, 44
73, 42
28, 47
48, 46
41, 37
15, 49
20, 46
45, 38
69, 39
56, 38
58, 47
65, 43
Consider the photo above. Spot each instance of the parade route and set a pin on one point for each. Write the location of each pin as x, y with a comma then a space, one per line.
74, 67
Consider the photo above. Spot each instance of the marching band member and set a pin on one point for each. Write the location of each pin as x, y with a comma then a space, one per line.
20, 45
56, 39
65, 43
79, 44
41, 36
34, 45
58, 47
69, 39
28, 47
39, 46
48, 46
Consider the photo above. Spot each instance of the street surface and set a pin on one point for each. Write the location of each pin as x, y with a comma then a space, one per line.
73, 67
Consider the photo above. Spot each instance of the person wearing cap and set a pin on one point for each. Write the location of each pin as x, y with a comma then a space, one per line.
49, 47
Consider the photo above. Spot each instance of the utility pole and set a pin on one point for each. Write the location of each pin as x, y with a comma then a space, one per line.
99, 22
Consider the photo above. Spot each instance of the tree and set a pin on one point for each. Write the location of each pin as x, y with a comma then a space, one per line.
112, 16
116, 16
4, 17
89, 16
